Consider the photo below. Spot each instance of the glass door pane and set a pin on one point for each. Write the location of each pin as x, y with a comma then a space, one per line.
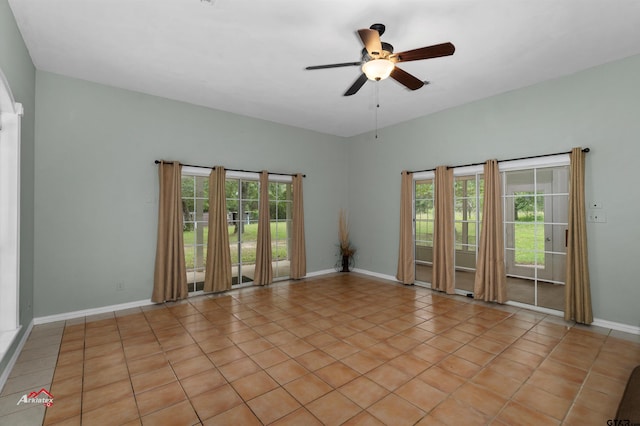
195, 209
248, 235
232, 192
280, 213
423, 229
242, 215
468, 199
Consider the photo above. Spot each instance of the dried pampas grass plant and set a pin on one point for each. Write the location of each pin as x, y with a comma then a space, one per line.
343, 234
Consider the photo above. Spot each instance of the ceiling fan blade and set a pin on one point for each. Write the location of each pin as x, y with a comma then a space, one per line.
344, 64
435, 51
406, 79
357, 85
371, 41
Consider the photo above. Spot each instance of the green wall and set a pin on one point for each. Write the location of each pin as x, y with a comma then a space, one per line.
17, 67
598, 108
96, 184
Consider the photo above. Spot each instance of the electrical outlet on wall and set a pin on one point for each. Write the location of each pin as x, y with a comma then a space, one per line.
596, 216
595, 205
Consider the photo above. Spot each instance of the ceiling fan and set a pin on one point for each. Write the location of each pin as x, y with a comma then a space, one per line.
379, 62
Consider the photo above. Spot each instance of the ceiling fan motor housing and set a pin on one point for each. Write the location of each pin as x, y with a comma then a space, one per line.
378, 27
387, 50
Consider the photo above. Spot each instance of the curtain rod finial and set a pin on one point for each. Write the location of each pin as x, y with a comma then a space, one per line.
586, 150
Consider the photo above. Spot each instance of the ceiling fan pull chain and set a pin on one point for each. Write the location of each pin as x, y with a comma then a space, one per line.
377, 107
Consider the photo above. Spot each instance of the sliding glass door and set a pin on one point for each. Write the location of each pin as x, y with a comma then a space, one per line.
468, 200
423, 232
468, 197
242, 216
242, 191
536, 202
280, 218
195, 210
535, 215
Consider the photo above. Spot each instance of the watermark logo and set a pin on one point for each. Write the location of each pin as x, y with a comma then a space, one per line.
621, 422
41, 397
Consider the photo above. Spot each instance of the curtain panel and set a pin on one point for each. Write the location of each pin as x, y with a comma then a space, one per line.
264, 270
577, 304
443, 237
218, 264
298, 256
406, 266
490, 280
170, 274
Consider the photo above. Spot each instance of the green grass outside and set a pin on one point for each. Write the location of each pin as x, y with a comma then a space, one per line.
527, 241
250, 235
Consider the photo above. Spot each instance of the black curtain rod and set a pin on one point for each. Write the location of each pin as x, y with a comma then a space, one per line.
500, 161
231, 170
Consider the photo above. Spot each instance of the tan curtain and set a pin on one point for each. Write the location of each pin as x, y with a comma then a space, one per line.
490, 281
170, 275
443, 243
217, 275
577, 304
298, 256
406, 266
264, 271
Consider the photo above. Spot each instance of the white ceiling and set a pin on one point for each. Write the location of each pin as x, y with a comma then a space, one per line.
248, 56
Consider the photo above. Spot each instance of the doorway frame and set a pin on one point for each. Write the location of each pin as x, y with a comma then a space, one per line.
10, 127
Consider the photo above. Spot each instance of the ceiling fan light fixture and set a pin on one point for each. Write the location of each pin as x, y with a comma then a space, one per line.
378, 69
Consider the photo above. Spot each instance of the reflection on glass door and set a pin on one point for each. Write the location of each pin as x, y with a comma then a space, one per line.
535, 215
195, 210
423, 232
280, 218
242, 217
468, 192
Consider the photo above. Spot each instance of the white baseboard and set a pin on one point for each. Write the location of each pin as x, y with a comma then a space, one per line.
540, 309
631, 329
377, 275
93, 311
318, 273
7, 370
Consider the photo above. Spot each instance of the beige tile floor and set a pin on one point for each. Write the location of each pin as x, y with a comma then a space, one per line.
339, 349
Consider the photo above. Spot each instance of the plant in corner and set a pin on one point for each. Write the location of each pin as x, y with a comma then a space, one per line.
346, 249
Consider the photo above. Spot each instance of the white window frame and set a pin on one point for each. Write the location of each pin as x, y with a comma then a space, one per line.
231, 174
10, 119
539, 162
